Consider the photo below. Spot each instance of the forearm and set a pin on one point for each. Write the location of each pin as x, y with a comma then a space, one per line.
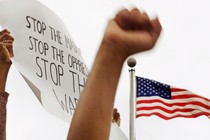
3, 102
4, 69
92, 118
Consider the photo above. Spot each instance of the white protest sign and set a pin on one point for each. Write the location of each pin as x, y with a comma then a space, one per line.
46, 56
116, 133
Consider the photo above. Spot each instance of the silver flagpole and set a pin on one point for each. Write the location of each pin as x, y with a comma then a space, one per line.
132, 63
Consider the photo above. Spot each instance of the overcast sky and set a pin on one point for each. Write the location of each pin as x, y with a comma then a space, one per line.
181, 58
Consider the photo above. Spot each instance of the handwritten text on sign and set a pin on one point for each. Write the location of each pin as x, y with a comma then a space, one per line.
50, 69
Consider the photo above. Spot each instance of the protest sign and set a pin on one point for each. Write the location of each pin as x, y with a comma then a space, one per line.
46, 56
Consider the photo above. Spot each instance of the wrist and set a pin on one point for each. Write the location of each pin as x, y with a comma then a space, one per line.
5, 66
4, 69
113, 51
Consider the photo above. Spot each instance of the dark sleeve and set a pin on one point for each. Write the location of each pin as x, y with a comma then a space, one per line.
3, 111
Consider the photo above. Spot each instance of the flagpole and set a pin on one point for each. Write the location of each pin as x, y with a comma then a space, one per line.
132, 63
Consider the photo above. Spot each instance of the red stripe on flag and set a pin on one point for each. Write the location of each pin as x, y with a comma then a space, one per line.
177, 90
187, 96
180, 104
166, 110
175, 116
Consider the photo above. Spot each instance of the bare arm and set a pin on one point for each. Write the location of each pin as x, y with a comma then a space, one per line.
3, 102
128, 33
5, 53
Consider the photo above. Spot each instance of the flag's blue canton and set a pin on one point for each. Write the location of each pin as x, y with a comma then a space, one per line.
146, 87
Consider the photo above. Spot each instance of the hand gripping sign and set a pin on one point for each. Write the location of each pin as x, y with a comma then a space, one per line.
46, 56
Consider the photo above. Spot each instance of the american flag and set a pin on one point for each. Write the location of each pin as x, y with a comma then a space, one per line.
155, 98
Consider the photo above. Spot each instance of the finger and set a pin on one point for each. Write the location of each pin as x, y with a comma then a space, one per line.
115, 110
156, 29
8, 47
132, 20
4, 54
6, 36
136, 10
4, 31
5, 44
8, 41
117, 116
139, 20
121, 18
10, 50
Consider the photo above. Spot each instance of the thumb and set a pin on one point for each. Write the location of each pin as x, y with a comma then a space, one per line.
4, 54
